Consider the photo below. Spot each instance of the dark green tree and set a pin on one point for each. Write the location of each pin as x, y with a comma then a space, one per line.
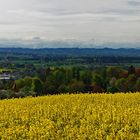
121, 85
76, 73
86, 77
37, 86
131, 70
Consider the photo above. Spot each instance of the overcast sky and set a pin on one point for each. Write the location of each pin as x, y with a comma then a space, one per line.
98, 20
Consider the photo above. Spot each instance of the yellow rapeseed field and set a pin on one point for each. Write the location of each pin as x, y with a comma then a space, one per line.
71, 117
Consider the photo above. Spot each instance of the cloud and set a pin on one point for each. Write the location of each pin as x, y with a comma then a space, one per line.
71, 19
134, 2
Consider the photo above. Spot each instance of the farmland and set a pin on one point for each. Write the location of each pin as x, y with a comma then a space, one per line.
74, 116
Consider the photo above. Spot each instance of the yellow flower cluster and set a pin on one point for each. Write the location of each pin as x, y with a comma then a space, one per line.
71, 117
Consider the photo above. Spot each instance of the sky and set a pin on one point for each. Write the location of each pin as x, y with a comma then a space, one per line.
83, 20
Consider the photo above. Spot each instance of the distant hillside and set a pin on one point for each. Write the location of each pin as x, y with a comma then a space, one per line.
128, 52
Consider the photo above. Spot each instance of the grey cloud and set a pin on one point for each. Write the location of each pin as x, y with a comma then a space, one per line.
121, 11
71, 19
134, 3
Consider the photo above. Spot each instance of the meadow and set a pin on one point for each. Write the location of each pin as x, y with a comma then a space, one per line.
71, 117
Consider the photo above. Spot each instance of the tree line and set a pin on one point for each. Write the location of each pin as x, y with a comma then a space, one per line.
73, 80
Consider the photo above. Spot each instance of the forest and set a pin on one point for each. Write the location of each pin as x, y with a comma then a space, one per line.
32, 72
